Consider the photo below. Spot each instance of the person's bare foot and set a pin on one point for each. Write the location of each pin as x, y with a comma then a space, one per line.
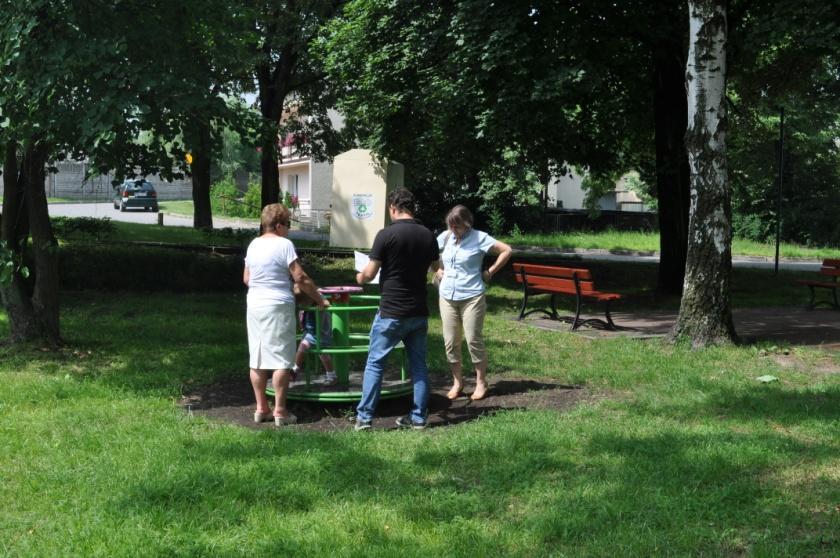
480, 392
456, 391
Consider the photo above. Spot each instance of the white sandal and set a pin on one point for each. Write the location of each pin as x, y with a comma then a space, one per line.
283, 421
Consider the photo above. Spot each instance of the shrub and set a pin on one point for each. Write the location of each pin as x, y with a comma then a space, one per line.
97, 227
224, 198
139, 268
253, 200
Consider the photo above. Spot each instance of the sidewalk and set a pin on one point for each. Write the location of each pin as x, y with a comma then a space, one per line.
783, 325
758, 262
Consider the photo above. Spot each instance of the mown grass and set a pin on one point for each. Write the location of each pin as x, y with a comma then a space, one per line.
681, 453
635, 241
138, 232
177, 207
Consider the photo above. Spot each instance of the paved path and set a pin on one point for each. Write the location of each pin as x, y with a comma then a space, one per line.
780, 325
605, 255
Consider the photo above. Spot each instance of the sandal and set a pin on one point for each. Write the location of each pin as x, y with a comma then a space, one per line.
283, 421
263, 417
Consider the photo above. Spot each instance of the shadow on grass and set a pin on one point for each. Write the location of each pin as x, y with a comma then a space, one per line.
769, 402
431, 486
709, 493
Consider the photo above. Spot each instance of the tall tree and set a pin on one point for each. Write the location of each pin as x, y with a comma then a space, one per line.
705, 311
198, 65
52, 99
282, 35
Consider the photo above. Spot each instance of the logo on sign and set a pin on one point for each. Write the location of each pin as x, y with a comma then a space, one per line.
362, 206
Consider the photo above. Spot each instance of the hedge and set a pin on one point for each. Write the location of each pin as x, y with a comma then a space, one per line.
114, 268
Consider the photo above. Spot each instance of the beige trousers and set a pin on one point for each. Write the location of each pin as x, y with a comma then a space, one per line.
467, 317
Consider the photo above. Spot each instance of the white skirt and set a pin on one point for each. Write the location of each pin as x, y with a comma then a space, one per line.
271, 336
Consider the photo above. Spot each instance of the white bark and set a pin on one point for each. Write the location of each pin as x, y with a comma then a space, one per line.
705, 311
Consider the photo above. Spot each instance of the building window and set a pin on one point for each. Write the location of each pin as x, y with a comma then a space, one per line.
293, 184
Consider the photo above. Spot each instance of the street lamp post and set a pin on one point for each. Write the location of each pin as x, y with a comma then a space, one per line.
779, 192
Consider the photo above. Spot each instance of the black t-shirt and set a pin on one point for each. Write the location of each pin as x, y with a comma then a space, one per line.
405, 248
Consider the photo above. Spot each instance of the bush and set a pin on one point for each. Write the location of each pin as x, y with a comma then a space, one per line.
138, 268
96, 227
224, 197
253, 200
752, 227
227, 200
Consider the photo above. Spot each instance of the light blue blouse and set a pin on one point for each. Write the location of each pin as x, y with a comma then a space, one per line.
462, 263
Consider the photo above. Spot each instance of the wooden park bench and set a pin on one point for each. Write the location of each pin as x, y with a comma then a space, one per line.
554, 280
828, 274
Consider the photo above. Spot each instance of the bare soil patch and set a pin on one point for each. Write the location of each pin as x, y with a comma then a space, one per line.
822, 366
232, 401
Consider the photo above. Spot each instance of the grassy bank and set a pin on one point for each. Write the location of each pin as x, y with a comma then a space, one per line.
124, 231
177, 207
649, 242
681, 453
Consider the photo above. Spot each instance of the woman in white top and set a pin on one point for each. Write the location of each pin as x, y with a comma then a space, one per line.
271, 269
462, 301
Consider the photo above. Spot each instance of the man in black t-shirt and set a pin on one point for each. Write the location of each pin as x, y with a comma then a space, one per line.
401, 253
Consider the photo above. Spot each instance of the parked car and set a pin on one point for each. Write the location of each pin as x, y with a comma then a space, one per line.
136, 193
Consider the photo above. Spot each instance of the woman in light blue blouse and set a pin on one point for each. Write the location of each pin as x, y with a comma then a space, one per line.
462, 301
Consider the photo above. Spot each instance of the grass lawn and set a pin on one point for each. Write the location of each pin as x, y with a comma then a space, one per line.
682, 452
649, 242
177, 207
124, 231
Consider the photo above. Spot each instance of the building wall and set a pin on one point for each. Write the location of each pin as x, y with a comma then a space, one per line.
567, 192
321, 186
296, 172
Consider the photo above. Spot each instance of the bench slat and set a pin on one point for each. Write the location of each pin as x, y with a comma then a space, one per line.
824, 284
555, 283
830, 271
552, 271
550, 283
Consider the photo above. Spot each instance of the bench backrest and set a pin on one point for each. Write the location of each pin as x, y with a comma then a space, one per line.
553, 277
831, 268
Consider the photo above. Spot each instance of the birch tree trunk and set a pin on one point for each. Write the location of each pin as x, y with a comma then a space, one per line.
705, 311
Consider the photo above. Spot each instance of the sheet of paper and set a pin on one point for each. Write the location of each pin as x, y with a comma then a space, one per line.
361, 261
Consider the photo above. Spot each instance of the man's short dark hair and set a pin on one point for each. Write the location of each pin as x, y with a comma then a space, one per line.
402, 200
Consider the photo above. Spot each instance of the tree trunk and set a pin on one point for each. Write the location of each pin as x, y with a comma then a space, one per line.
270, 171
201, 149
275, 81
33, 307
45, 294
672, 174
16, 295
705, 312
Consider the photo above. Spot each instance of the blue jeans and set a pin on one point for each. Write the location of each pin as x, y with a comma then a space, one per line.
385, 333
